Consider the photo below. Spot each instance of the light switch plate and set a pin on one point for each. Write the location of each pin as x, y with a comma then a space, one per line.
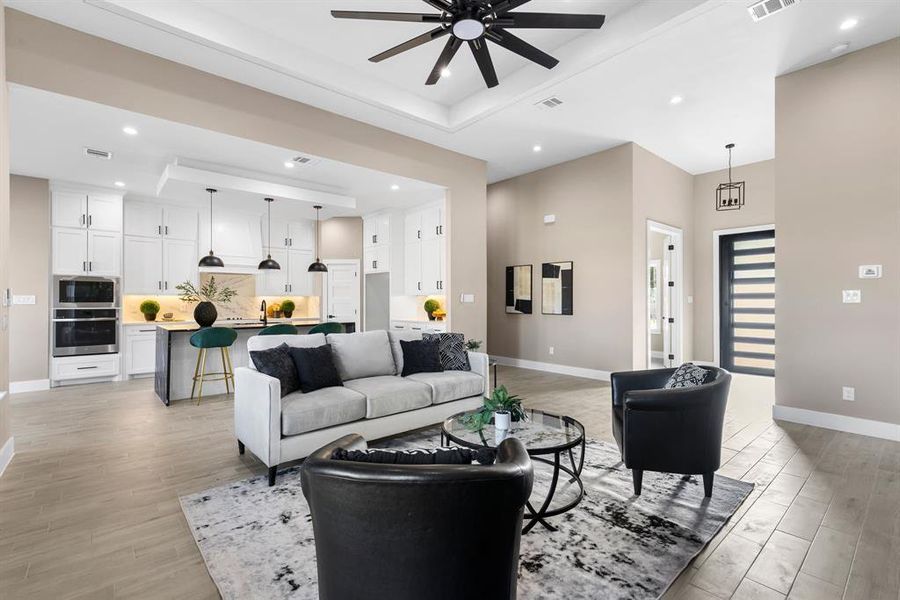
870, 271
24, 299
852, 296
467, 298
848, 394
549, 219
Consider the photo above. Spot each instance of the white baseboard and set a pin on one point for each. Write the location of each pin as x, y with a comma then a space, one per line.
877, 429
552, 368
33, 385
6, 454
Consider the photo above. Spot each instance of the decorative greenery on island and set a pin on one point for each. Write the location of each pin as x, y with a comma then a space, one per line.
288, 305
209, 292
499, 400
149, 307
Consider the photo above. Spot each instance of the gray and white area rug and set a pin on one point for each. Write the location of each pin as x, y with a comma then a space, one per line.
258, 541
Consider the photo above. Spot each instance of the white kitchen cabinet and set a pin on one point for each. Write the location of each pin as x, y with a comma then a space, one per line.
423, 326
296, 234
412, 230
84, 367
424, 252
69, 251
377, 259
274, 282
377, 230
140, 349
104, 253
432, 272
143, 265
104, 212
300, 280
180, 223
179, 264
412, 269
68, 209
432, 223
153, 220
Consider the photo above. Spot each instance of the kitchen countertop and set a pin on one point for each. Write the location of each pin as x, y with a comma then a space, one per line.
223, 322
248, 324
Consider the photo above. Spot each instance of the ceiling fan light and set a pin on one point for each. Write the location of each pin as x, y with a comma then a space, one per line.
468, 29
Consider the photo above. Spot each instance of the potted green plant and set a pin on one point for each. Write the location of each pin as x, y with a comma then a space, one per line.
149, 308
205, 296
501, 407
473, 345
287, 307
430, 306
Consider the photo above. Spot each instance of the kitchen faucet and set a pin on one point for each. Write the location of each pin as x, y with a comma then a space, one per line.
265, 316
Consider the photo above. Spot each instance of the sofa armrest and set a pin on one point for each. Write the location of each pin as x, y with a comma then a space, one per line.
257, 414
627, 381
480, 363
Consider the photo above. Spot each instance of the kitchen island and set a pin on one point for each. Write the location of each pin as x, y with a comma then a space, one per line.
176, 358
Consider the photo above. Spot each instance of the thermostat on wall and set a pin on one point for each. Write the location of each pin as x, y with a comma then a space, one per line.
549, 219
870, 271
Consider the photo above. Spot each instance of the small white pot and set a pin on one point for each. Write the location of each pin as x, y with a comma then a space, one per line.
501, 419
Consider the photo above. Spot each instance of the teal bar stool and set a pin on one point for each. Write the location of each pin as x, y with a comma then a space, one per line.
329, 327
280, 329
205, 339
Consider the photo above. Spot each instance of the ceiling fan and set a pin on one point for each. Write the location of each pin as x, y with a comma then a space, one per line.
477, 22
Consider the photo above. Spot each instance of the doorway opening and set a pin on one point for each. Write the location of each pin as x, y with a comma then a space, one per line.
664, 295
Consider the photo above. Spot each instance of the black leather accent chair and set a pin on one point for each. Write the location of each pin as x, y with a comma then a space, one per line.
675, 430
410, 532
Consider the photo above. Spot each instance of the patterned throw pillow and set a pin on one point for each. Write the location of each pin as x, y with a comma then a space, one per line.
438, 456
452, 347
687, 375
276, 362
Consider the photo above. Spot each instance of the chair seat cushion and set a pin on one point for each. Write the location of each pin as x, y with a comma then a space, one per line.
448, 386
319, 409
389, 394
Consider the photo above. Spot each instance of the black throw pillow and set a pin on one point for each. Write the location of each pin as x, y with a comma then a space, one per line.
421, 356
315, 368
438, 456
276, 362
452, 348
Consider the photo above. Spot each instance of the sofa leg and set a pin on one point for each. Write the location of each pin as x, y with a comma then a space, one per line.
272, 471
240, 447
637, 475
707, 484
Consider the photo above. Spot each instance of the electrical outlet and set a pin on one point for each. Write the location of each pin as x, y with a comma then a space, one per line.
851, 296
849, 394
551, 350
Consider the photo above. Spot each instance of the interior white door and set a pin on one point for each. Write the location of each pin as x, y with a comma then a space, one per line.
180, 223
105, 212
179, 264
342, 293
69, 209
142, 271
143, 218
104, 253
69, 251
300, 280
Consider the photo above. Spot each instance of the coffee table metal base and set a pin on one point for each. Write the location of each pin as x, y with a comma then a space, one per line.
544, 512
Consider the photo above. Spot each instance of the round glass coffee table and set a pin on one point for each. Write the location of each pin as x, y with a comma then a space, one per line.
549, 439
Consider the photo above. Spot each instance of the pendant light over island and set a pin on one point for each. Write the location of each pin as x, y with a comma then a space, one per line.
211, 260
318, 266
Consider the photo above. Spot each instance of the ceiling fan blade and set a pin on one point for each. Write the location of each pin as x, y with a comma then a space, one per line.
507, 5
410, 44
439, 4
521, 47
386, 16
444, 59
483, 58
549, 21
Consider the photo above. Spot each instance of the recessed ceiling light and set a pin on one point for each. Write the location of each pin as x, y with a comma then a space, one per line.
128, 130
849, 24
676, 100
395, 187
119, 184
288, 164
840, 47
445, 72
537, 148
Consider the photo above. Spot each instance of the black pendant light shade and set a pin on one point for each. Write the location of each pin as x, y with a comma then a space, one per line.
269, 264
211, 260
317, 266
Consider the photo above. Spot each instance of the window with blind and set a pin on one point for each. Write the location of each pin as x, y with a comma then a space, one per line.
747, 303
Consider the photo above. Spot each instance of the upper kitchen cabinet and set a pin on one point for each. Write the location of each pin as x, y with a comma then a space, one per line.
299, 235
424, 252
293, 278
104, 212
85, 210
68, 209
377, 230
86, 234
153, 220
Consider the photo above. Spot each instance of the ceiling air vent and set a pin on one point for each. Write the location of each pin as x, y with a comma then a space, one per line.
765, 8
304, 161
551, 102
97, 153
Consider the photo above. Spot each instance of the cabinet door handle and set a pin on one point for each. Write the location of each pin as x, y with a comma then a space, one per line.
146, 330
291, 242
90, 265
285, 242
398, 326
165, 285
419, 234
87, 368
159, 284
167, 230
90, 220
441, 228
159, 230
419, 285
374, 264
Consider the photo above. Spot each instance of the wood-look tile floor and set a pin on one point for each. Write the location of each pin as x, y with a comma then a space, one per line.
89, 506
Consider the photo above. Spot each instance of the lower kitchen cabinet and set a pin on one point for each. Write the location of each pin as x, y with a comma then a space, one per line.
84, 367
140, 349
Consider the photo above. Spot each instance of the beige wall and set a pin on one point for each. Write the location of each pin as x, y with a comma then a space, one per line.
29, 274
662, 193
5, 430
758, 210
44, 55
837, 175
342, 238
591, 198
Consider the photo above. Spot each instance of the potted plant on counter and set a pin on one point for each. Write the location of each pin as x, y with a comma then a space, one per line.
501, 407
206, 296
149, 308
473, 345
430, 306
287, 307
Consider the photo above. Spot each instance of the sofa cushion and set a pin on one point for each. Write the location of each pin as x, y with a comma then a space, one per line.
265, 342
388, 394
366, 354
319, 409
420, 356
406, 335
451, 385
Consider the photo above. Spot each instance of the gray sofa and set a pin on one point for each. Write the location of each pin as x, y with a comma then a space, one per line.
375, 401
